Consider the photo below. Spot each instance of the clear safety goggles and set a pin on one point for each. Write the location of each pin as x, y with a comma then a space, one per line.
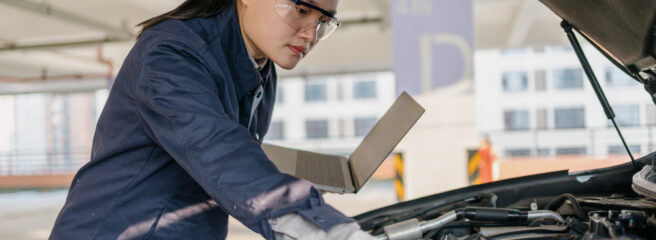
304, 16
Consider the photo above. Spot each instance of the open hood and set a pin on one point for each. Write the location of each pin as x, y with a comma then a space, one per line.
624, 31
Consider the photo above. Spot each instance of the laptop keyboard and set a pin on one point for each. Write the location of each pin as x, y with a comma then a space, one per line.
319, 170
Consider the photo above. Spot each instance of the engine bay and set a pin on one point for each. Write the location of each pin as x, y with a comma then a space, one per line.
600, 204
564, 217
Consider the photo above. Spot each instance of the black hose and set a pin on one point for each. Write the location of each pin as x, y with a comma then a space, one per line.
491, 214
376, 224
558, 201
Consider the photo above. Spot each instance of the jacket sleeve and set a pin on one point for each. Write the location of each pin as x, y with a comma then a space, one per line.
179, 106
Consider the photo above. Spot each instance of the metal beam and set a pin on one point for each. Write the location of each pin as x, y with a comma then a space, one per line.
13, 46
523, 23
360, 21
65, 77
87, 83
383, 7
48, 10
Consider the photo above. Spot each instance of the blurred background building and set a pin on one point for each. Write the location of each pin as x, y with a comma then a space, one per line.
507, 75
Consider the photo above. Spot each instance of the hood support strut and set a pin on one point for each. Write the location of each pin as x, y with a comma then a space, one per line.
595, 84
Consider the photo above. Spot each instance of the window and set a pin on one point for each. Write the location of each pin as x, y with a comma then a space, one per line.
540, 80
619, 149
364, 89
315, 92
650, 114
565, 118
276, 130
544, 152
362, 126
615, 77
316, 129
568, 79
522, 152
516, 120
514, 82
626, 116
570, 151
541, 119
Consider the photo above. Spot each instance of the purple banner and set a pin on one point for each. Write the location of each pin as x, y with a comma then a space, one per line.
432, 43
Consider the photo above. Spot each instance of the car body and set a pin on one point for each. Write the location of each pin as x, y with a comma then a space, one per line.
610, 203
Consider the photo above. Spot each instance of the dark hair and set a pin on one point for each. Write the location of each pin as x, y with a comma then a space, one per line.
188, 9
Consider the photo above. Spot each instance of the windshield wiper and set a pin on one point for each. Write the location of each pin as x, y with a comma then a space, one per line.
595, 84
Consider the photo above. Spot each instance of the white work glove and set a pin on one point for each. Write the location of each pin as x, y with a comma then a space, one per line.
295, 227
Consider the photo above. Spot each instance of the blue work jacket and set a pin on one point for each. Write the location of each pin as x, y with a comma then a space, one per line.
172, 155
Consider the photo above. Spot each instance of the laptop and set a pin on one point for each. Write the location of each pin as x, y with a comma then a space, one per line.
339, 174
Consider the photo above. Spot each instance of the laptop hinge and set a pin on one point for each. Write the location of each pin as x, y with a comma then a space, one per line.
350, 168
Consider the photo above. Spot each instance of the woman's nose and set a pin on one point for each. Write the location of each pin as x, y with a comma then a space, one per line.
309, 34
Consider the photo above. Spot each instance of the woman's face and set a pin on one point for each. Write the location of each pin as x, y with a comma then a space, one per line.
269, 32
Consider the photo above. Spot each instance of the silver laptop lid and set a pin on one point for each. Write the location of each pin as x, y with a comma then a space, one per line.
383, 137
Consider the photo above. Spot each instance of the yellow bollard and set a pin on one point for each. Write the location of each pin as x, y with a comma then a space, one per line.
398, 177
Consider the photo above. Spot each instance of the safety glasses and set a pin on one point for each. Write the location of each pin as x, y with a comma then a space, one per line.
304, 16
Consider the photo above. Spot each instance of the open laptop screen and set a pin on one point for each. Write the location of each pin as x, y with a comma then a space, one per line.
383, 137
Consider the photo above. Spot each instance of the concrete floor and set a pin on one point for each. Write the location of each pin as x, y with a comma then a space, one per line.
28, 215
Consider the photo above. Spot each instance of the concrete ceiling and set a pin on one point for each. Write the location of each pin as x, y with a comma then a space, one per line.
68, 41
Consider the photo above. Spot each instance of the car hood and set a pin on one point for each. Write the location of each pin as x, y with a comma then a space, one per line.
624, 31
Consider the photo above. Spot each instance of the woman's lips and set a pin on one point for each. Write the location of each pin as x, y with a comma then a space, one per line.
298, 50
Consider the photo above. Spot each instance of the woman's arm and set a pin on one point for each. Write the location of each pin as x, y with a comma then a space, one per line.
180, 108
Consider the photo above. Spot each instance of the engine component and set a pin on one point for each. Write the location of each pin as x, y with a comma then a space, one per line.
413, 229
611, 224
644, 182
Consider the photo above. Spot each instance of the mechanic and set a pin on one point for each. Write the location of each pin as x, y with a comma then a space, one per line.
177, 147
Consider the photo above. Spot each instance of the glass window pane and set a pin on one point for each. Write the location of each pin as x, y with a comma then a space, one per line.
522, 152
626, 115
364, 89
276, 130
362, 126
543, 152
619, 149
315, 92
316, 129
568, 78
571, 151
514, 82
615, 77
516, 120
565, 118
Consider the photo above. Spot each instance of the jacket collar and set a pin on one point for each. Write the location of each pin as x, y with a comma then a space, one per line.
223, 31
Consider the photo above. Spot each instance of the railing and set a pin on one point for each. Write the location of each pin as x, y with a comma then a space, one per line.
596, 141
43, 161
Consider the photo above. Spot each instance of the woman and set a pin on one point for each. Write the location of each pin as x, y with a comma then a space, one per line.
177, 147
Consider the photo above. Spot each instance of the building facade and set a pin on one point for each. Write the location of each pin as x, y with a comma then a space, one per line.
329, 114
539, 103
